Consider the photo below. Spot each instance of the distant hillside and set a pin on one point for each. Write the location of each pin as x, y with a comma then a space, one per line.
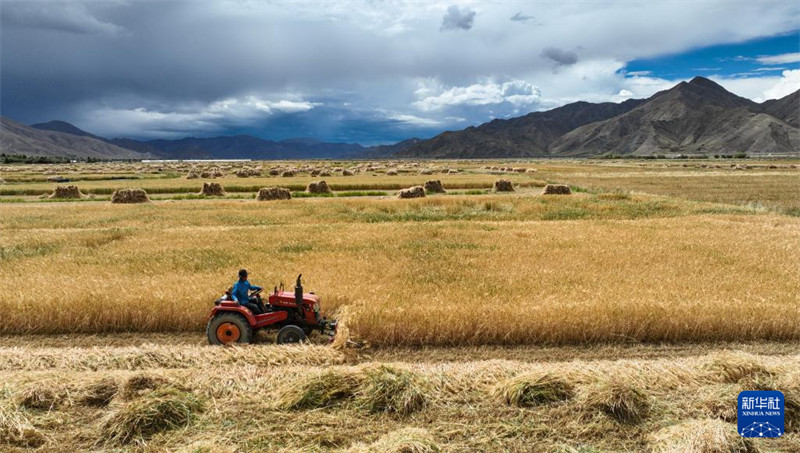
16, 138
786, 109
65, 127
693, 117
247, 147
225, 147
525, 136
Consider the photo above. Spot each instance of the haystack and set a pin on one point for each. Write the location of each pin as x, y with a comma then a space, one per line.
434, 186
129, 196
287, 174
324, 173
273, 193
347, 173
503, 185
556, 189
391, 173
212, 189
243, 173
67, 192
412, 192
318, 187
426, 171
192, 175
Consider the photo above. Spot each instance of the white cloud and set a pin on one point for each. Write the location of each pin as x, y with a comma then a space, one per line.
760, 89
625, 93
779, 59
414, 120
516, 92
140, 121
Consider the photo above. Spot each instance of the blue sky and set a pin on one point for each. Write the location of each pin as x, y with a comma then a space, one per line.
754, 58
371, 72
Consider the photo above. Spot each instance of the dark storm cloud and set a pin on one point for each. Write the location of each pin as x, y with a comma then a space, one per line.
562, 57
458, 19
519, 17
330, 69
59, 16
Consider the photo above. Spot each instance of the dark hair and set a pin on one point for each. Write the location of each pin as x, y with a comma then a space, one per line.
243, 273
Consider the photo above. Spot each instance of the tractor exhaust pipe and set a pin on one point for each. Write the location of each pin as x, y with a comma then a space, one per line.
298, 292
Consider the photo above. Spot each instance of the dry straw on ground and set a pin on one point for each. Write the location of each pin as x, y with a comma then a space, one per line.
434, 186
127, 196
556, 189
318, 187
701, 436
154, 412
412, 192
273, 193
528, 390
212, 189
392, 390
318, 390
98, 393
67, 192
619, 398
405, 440
16, 428
503, 185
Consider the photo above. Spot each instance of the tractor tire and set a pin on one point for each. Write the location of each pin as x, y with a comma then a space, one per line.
291, 334
229, 328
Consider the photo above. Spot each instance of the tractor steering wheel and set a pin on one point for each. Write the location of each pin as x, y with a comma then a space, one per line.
256, 292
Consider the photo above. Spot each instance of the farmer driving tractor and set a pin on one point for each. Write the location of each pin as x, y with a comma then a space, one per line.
241, 294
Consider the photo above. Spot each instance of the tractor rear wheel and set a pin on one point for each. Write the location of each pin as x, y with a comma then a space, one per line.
229, 328
291, 334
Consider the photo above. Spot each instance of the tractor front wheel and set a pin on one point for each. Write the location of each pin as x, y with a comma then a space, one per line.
291, 334
229, 328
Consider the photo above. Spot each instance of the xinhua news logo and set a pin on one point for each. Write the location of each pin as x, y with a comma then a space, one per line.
761, 413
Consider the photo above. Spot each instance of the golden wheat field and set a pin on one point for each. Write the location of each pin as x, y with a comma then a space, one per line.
623, 317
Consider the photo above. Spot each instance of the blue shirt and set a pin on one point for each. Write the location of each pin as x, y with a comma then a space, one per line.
241, 290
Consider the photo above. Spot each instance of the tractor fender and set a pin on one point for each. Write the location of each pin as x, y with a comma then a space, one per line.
236, 308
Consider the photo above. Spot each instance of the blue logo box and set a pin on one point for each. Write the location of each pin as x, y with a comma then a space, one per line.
761, 413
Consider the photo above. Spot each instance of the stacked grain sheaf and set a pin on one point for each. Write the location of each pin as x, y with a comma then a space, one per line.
556, 189
273, 193
503, 185
212, 189
434, 186
129, 196
412, 192
67, 192
318, 187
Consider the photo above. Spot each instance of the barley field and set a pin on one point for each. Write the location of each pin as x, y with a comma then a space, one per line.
623, 317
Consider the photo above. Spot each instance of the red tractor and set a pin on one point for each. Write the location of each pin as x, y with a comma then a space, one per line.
295, 316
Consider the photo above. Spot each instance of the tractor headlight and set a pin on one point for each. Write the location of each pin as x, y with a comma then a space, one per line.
316, 307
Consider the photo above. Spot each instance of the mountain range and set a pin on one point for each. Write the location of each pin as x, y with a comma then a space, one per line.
699, 116
693, 117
